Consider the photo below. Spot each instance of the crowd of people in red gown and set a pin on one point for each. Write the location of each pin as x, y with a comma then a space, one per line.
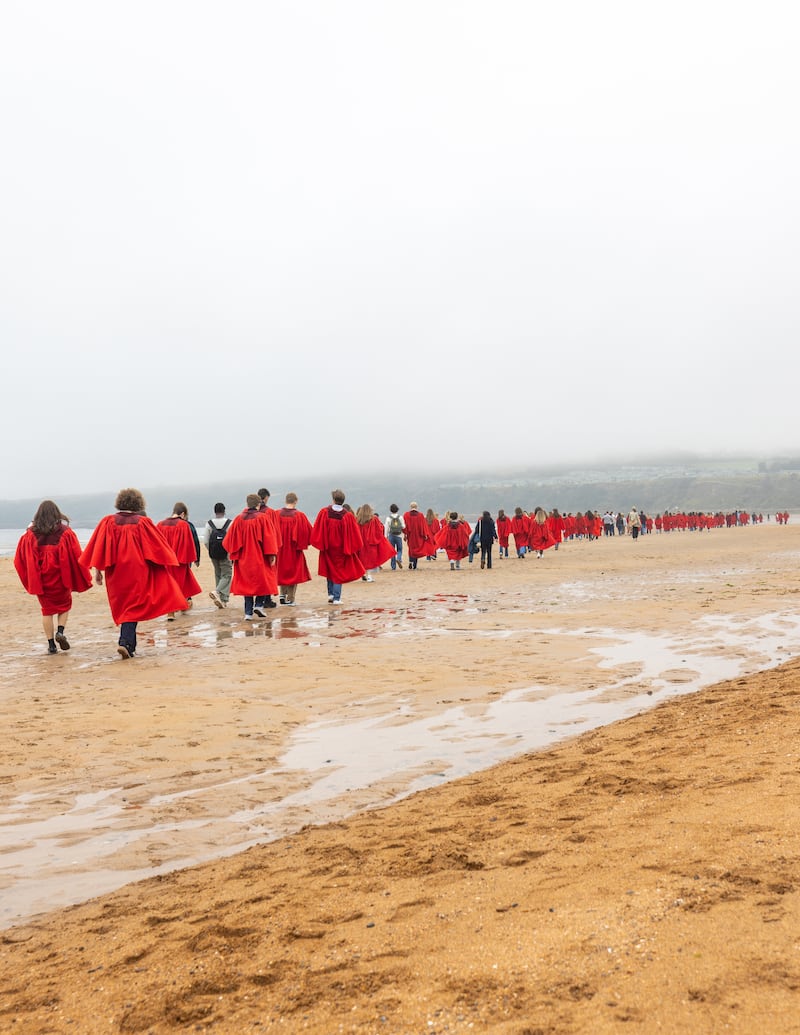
147, 567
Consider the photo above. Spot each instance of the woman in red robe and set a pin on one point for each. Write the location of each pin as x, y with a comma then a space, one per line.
540, 537
503, 526
519, 529
434, 524
253, 548
376, 549
178, 534
418, 536
48, 564
295, 529
338, 538
453, 538
138, 564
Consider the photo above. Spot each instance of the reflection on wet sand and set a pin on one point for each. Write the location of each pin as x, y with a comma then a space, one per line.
101, 840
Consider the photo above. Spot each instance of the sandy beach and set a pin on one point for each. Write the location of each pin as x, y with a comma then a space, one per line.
557, 796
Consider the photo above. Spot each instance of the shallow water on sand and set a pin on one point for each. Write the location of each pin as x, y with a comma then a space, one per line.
331, 768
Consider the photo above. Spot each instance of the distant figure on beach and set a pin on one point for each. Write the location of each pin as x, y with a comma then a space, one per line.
486, 533
519, 529
376, 549
503, 526
253, 548
634, 523
138, 564
213, 536
394, 528
264, 600
295, 540
540, 538
453, 538
48, 563
434, 524
338, 538
418, 536
178, 532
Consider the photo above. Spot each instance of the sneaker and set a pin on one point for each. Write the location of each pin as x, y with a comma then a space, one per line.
452, 565
123, 652
336, 603
368, 578
270, 603
248, 618
330, 600
281, 600
52, 649
259, 613
290, 603
216, 599
62, 641
171, 616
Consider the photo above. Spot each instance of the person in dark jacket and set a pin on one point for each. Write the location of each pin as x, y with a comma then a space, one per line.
486, 532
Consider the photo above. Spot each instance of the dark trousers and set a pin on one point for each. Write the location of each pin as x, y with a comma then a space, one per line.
127, 636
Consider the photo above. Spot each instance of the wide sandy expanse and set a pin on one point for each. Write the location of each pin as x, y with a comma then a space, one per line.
638, 876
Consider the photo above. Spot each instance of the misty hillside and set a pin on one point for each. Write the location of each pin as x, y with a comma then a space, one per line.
689, 484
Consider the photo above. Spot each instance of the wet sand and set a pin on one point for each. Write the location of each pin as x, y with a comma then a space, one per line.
638, 876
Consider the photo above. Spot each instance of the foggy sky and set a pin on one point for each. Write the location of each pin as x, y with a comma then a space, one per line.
264, 239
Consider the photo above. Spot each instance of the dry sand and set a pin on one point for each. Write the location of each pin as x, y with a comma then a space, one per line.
640, 876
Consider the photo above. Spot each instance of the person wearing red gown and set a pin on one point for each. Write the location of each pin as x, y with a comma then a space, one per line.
519, 529
295, 531
178, 533
453, 538
253, 549
264, 600
503, 526
138, 564
434, 524
540, 538
418, 536
376, 549
338, 538
47, 560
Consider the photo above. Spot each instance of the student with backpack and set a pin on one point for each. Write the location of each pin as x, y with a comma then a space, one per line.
213, 535
395, 526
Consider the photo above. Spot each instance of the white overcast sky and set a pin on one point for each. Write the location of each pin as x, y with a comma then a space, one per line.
257, 239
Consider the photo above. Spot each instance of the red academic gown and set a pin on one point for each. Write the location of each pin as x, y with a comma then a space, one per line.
519, 529
49, 568
179, 536
250, 542
453, 538
337, 536
295, 538
376, 549
503, 526
539, 536
418, 535
138, 563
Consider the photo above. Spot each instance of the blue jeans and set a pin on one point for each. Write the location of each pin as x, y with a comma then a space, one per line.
127, 636
335, 590
248, 605
396, 542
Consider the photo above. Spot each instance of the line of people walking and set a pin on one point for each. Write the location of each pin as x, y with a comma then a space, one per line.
259, 554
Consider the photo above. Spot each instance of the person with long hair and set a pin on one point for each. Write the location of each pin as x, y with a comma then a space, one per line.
486, 534
540, 538
138, 565
434, 524
453, 538
48, 563
376, 549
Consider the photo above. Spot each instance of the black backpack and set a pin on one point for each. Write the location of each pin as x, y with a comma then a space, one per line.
215, 536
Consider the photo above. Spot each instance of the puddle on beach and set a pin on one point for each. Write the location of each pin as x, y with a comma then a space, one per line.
329, 769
